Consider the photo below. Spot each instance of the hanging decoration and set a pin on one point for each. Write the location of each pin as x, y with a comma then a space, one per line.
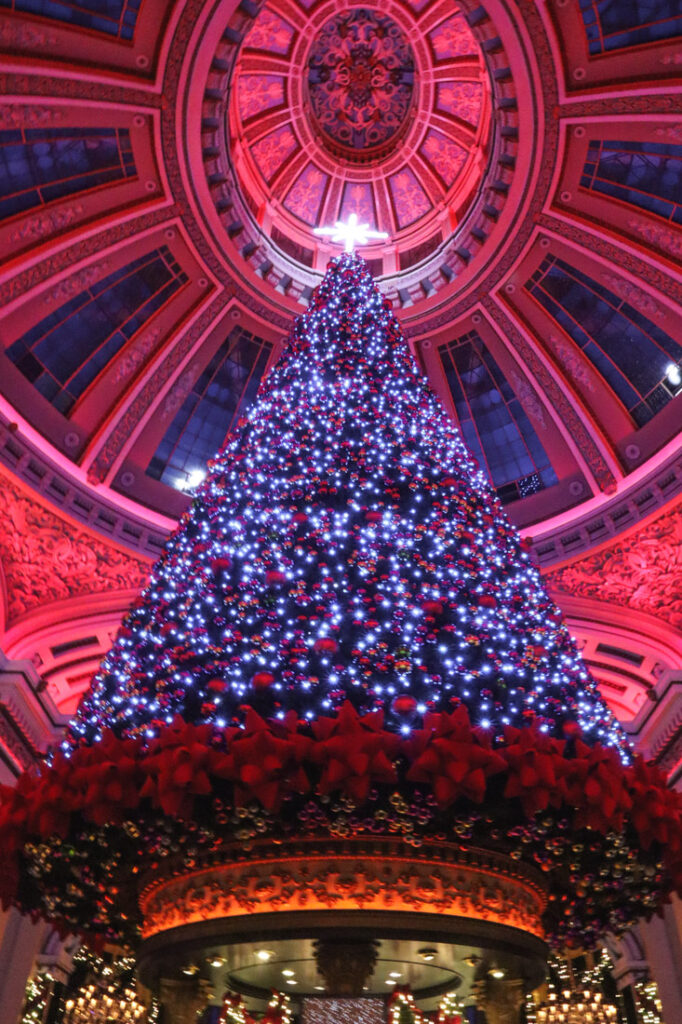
345, 636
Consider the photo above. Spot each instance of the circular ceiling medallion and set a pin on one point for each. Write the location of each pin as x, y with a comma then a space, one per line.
360, 80
381, 112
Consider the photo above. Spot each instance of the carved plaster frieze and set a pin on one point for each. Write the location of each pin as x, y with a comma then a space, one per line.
642, 572
46, 558
433, 880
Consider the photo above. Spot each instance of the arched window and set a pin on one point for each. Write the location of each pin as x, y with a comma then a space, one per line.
631, 352
66, 350
643, 174
40, 166
615, 24
221, 393
493, 423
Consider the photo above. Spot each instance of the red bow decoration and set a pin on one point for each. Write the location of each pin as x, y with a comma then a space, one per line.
263, 762
656, 810
177, 767
452, 757
596, 787
354, 752
536, 766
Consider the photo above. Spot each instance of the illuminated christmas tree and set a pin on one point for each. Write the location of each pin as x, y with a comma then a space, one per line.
346, 637
344, 547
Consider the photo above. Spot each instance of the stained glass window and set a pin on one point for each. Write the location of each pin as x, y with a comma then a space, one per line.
38, 166
113, 17
630, 351
644, 174
493, 422
615, 24
66, 350
222, 392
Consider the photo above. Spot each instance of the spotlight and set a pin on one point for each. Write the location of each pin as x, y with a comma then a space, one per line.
216, 960
265, 954
288, 973
428, 953
190, 969
673, 374
497, 973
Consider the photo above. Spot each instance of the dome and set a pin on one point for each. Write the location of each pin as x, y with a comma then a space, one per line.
164, 168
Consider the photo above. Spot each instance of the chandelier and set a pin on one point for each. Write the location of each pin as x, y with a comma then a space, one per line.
584, 1006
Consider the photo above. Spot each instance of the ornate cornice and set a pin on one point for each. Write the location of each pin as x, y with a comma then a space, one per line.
47, 559
642, 572
327, 876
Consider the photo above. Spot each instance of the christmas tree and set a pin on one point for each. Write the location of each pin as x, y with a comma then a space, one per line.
346, 611
344, 547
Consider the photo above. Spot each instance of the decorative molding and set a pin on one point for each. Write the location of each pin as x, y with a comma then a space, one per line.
583, 439
27, 280
628, 291
17, 34
76, 89
29, 719
46, 223
79, 502
643, 571
137, 354
615, 255
17, 115
529, 399
571, 361
438, 878
119, 436
649, 106
46, 558
657, 729
658, 235
78, 282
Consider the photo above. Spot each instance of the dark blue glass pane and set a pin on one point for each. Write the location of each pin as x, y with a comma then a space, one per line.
40, 166
494, 425
616, 24
64, 353
224, 390
644, 174
112, 17
629, 350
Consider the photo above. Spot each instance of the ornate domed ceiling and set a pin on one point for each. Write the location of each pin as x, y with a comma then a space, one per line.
385, 114
163, 168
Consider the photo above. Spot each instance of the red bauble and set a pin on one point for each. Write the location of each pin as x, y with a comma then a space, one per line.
220, 564
404, 704
274, 577
262, 680
326, 645
571, 730
432, 607
217, 685
374, 517
487, 601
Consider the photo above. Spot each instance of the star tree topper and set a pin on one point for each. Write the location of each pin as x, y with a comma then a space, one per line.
351, 233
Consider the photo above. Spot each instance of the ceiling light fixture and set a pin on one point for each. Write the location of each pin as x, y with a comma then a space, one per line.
288, 973
428, 953
497, 973
215, 960
265, 954
673, 374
